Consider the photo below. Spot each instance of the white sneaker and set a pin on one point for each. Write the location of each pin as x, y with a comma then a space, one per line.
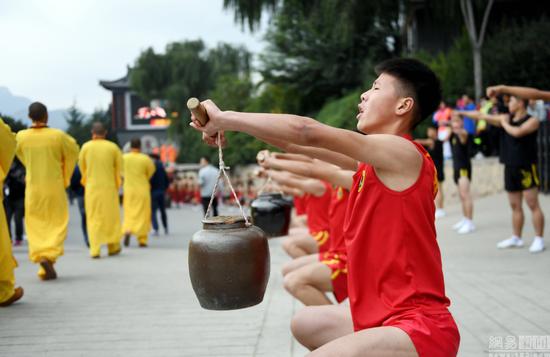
537, 246
440, 213
467, 227
513, 242
459, 224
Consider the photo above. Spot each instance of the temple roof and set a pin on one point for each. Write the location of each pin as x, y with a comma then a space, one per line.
121, 83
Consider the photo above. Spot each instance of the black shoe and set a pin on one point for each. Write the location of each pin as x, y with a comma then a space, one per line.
17, 294
51, 274
126, 240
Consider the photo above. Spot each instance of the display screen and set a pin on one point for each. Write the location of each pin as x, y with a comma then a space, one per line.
148, 115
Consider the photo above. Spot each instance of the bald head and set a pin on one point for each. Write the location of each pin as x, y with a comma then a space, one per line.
98, 129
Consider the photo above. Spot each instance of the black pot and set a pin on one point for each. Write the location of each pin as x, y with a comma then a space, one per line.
228, 264
271, 212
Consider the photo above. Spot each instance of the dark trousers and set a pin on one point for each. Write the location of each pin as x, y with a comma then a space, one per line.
205, 201
15, 209
157, 203
82, 210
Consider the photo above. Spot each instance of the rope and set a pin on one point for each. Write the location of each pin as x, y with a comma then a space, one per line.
221, 171
267, 182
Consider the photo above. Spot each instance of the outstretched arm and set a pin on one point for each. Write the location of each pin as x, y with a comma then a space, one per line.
395, 159
316, 169
304, 184
329, 156
531, 125
493, 119
522, 92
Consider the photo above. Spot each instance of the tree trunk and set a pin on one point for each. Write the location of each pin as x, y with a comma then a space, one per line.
476, 40
478, 76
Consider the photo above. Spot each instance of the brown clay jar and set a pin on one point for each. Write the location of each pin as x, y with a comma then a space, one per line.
229, 263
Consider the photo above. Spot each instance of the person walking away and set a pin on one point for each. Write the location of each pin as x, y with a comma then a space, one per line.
14, 199
49, 156
77, 191
8, 292
137, 171
159, 185
101, 163
208, 175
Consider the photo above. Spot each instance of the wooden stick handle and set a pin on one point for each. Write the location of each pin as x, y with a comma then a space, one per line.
198, 110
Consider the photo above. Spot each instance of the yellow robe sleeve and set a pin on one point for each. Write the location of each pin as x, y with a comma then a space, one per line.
118, 168
82, 165
70, 157
7, 261
7, 138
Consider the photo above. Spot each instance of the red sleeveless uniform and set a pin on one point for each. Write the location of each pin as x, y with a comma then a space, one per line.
300, 205
395, 276
335, 258
318, 222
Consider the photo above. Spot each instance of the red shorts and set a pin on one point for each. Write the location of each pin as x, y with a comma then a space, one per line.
434, 334
322, 239
337, 262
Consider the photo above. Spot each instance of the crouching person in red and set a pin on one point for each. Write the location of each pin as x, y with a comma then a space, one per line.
398, 305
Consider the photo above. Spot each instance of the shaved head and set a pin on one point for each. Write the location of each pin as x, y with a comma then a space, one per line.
98, 129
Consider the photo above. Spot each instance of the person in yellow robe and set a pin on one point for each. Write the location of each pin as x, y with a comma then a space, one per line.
100, 163
49, 156
8, 293
138, 169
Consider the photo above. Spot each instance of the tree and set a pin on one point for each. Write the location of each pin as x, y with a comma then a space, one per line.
76, 121
515, 55
190, 69
14, 124
321, 51
476, 39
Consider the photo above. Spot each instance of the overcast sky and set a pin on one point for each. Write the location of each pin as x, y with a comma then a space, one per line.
56, 51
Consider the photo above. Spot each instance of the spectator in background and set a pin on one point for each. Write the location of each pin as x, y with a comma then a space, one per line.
208, 175
462, 166
14, 199
441, 119
536, 109
443, 114
159, 185
77, 191
434, 146
466, 103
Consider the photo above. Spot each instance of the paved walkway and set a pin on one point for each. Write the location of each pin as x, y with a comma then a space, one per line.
141, 303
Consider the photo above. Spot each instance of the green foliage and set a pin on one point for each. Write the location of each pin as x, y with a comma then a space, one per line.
454, 68
275, 98
342, 112
319, 48
513, 55
518, 55
250, 11
232, 92
77, 125
189, 69
80, 126
14, 124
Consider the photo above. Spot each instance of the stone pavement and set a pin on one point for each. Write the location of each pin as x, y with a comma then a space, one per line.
141, 303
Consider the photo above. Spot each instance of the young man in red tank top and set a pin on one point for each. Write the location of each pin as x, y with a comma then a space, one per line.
395, 279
